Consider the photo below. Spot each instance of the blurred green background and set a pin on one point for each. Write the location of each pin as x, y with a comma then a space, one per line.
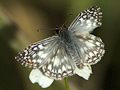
19, 21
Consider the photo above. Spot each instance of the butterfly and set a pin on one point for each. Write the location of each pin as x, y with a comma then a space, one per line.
70, 51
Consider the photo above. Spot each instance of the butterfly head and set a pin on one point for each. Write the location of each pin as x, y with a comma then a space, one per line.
60, 29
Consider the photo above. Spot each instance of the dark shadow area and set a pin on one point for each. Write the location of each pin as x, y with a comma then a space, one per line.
112, 77
9, 76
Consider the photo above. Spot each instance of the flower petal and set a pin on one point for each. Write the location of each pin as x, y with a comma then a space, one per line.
36, 76
85, 72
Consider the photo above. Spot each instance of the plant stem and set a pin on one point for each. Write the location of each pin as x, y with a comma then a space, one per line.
66, 84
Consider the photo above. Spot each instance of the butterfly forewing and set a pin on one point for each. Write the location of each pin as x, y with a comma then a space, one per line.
36, 55
86, 21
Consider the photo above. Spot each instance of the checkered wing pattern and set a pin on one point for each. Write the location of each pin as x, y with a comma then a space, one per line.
37, 54
86, 21
89, 48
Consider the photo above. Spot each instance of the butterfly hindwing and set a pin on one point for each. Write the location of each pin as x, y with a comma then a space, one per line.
89, 48
60, 65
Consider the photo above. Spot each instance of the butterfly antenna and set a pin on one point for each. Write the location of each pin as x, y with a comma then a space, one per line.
66, 20
63, 25
46, 29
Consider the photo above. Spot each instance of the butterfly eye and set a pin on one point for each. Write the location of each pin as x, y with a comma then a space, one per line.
60, 29
57, 31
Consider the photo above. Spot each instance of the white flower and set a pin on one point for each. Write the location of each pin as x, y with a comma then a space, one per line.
36, 76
